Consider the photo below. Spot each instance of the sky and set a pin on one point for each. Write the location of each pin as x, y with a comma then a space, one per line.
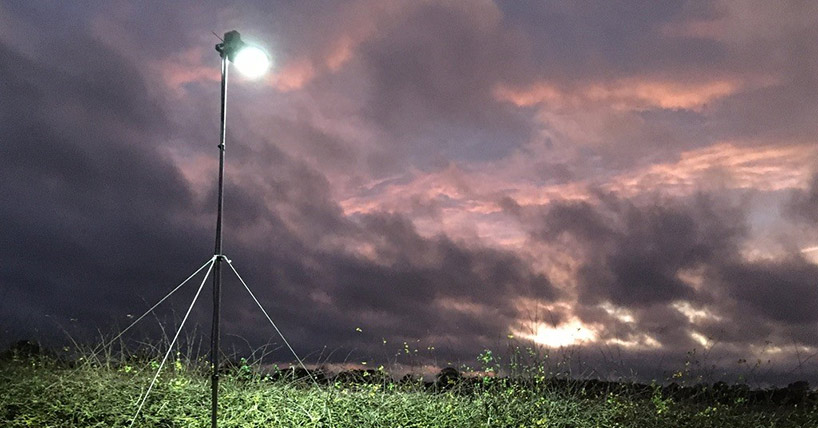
631, 183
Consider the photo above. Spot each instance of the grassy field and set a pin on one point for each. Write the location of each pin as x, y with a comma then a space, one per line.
44, 392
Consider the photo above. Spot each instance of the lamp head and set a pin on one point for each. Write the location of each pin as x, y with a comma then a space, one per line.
252, 61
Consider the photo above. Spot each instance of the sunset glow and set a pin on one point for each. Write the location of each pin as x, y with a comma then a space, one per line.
567, 334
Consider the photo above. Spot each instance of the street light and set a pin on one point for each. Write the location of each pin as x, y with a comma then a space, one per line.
254, 62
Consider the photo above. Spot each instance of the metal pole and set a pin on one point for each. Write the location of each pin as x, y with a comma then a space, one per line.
217, 272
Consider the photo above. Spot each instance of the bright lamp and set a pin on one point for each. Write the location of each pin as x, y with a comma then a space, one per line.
252, 61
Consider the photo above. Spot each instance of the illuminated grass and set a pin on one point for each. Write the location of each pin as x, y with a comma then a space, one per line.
39, 392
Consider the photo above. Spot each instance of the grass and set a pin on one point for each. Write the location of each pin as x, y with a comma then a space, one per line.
42, 391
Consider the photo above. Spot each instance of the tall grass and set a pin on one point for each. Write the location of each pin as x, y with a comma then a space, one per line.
102, 390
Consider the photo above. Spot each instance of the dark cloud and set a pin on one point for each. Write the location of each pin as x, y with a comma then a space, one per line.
581, 40
804, 203
635, 254
783, 291
414, 288
783, 111
432, 74
677, 267
92, 204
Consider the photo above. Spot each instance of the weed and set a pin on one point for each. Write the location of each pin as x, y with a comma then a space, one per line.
43, 390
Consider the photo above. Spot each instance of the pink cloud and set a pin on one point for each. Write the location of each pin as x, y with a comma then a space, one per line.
188, 67
725, 165
633, 93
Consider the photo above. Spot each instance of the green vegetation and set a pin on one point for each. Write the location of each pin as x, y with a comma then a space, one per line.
39, 391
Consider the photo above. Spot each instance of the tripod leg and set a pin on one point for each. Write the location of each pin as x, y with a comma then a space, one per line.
301, 363
170, 348
152, 308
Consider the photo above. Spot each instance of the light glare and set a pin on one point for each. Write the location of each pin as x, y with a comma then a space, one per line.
252, 61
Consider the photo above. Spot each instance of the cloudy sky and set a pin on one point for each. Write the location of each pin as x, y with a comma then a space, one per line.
632, 180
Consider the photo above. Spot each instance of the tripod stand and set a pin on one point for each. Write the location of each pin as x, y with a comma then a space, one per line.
254, 62
210, 265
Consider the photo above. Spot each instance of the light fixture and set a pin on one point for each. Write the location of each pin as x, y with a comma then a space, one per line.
252, 61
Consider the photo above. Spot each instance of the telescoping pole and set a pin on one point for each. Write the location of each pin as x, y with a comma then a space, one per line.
217, 272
